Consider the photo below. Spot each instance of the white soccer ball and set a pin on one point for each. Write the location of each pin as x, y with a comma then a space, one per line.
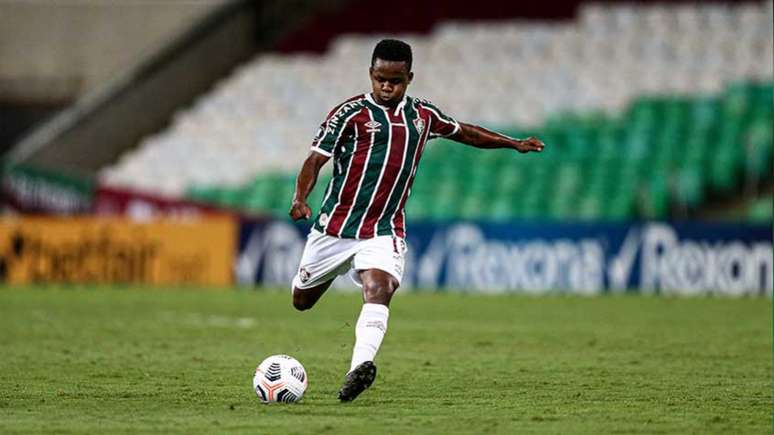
280, 378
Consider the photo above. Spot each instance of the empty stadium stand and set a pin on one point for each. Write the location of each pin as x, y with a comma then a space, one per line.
647, 111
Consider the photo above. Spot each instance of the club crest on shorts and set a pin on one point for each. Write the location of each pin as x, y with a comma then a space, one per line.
373, 126
419, 123
303, 275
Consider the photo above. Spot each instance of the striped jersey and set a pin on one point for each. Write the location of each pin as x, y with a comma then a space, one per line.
375, 151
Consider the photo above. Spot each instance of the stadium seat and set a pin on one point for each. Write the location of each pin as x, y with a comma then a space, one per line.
682, 108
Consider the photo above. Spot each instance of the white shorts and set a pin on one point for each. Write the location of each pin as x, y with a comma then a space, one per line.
326, 257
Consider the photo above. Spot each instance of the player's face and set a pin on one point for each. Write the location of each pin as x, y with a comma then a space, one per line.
389, 80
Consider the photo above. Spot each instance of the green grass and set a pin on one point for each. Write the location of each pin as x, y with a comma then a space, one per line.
111, 360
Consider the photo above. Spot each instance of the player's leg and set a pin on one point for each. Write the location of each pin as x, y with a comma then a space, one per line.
379, 268
378, 286
305, 298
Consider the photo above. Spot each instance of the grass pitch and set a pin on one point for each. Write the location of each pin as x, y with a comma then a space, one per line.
120, 360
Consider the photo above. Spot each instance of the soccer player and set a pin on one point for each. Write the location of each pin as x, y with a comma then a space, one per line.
376, 141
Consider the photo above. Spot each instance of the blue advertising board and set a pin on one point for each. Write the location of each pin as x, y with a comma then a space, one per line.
689, 258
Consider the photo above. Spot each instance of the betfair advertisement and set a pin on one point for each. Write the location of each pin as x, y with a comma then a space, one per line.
117, 251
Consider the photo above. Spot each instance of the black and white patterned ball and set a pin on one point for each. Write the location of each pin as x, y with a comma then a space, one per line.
280, 378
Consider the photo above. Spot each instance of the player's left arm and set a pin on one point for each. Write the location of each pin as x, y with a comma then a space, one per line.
480, 137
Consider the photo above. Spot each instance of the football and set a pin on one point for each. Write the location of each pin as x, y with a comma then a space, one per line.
280, 378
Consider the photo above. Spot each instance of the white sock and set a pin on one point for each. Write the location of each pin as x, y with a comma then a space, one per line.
369, 332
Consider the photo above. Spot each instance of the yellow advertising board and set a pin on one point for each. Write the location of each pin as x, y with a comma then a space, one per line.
117, 250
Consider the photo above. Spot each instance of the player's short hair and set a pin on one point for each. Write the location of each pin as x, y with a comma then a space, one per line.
393, 50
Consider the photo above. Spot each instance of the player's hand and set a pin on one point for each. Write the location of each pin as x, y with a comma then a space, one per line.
529, 144
299, 210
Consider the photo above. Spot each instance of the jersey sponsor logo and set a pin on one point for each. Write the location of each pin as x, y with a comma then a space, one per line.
419, 123
373, 126
334, 120
323, 219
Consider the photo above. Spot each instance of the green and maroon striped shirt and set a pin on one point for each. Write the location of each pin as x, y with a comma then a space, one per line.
376, 151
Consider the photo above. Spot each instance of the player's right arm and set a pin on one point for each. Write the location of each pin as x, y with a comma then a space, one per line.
305, 182
323, 146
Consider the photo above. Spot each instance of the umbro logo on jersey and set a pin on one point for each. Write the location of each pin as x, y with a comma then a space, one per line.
373, 126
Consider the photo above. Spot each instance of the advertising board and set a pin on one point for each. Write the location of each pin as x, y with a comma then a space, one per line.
117, 250
115, 201
28, 189
688, 258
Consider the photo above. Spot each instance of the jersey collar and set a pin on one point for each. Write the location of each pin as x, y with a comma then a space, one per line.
398, 108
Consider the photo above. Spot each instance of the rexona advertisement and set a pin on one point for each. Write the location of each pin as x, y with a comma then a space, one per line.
102, 250
648, 257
